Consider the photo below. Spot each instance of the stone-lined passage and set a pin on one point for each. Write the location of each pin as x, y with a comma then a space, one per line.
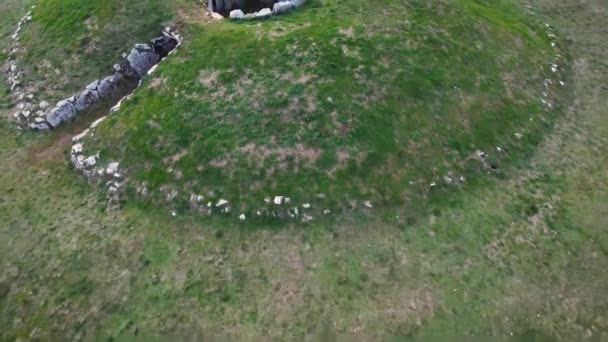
125, 79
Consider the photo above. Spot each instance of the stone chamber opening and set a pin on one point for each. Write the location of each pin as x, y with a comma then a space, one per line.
224, 7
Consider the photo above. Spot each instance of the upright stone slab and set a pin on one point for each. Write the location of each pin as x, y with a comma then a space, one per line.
164, 44
86, 99
142, 58
63, 111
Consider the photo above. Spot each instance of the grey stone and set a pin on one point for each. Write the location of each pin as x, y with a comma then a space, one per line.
282, 7
86, 99
142, 58
237, 14
43, 126
63, 111
108, 86
43, 105
164, 44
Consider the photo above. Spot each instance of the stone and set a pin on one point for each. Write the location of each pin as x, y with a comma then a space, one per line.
368, 204
216, 16
278, 200
43, 126
222, 202
242, 217
43, 105
77, 149
39, 113
306, 205
39, 120
86, 99
90, 162
142, 58
108, 86
81, 135
112, 168
263, 13
26, 113
63, 111
237, 14
97, 122
164, 44
282, 7
298, 3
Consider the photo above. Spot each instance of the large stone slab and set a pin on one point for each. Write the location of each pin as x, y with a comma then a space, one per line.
86, 99
63, 111
164, 44
283, 6
142, 58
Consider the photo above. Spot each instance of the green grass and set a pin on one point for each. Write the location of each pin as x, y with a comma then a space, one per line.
380, 104
518, 254
74, 42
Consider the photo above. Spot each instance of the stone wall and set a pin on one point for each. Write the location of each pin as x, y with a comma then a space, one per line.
111, 88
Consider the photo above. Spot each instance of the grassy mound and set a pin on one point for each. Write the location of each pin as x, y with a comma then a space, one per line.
341, 98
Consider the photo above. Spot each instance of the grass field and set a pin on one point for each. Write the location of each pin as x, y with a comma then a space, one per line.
520, 252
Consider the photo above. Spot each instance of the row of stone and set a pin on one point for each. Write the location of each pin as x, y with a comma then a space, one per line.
28, 108
277, 8
125, 78
139, 64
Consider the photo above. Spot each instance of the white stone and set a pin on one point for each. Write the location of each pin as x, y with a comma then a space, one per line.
81, 135
98, 121
278, 200
368, 204
242, 217
307, 218
283, 6
237, 14
306, 205
90, 161
216, 16
222, 202
112, 167
77, 149
263, 13
39, 120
